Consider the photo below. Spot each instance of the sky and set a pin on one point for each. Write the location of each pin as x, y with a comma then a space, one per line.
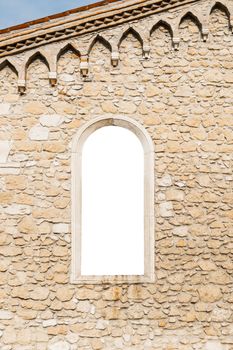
14, 12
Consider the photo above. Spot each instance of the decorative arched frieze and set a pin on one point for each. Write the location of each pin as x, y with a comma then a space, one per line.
113, 39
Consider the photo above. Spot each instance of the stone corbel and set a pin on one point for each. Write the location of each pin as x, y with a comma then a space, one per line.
176, 43
115, 58
53, 78
21, 86
205, 33
22, 80
231, 23
84, 66
146, 51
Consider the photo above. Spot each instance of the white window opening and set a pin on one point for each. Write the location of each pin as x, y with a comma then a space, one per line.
112, 203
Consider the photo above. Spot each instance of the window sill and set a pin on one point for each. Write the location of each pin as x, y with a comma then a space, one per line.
119, 279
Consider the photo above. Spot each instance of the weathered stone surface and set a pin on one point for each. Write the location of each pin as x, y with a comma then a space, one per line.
27, 314
86, 294
64, 108
20, 292
209, 293
127, 107
60, 251
108, 107
9, 251
181, 231
175, 195
18, 182
27, 225
39, 293
6, 197
54, 147
114, 293
207, 265
84, 306
64, 294
34, 107
152, 90
137, 292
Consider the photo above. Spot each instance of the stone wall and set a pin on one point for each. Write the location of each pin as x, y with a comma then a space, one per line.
184, 100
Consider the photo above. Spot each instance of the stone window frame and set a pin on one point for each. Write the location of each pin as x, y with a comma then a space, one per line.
149, 240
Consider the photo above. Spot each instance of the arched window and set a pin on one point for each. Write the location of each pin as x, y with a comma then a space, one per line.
112, 203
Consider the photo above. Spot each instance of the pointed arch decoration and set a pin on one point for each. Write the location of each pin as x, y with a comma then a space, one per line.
77, 230
164, 24
102, 40
194, 17
66, 48
37, 55
132, 31
220, 5
7, 63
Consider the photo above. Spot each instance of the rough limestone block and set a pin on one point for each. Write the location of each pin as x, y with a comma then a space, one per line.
214, 345
166, 209
4, 108
61, 345
5, 147
165, 181
49, 323
51, 120
17, 209
61, 228
5, 315
39, 133
9, 168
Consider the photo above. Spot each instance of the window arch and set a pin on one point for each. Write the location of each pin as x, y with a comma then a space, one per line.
98, 215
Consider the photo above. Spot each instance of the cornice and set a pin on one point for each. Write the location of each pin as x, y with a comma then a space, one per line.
100, 17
